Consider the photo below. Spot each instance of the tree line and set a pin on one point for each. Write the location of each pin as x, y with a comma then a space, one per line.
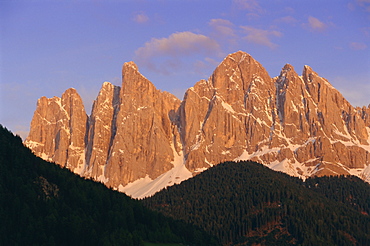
43, 204
246, 203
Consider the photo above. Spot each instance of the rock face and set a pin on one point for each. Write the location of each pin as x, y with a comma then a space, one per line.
138, 136
102, 129
58, 130
145, 139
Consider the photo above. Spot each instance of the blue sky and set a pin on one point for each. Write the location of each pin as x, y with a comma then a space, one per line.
48, 46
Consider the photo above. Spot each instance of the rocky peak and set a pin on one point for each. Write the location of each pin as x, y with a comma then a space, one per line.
102, 130
287, 72
58, 130
130, 65
145, 137
136, 89
137, 135
236, 71
133, 80
365, 114
308, 73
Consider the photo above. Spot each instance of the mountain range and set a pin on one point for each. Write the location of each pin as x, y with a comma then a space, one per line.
139, 140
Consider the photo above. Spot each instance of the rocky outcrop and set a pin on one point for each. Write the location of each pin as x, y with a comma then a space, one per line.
146, 141
138, 135
365, 114
58, 130
215, 123
102, 130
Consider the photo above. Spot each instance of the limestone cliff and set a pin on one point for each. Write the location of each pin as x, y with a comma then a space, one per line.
102, 130
145, 139
139, 139
58, 130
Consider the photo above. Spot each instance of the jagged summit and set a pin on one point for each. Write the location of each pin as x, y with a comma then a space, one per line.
238, 56
288, 67
139, 139
130, 64
58, 129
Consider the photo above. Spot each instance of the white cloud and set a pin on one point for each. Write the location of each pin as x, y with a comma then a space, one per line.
357, 46
141, 17
172, 48
315, 24
222, 27
261, 36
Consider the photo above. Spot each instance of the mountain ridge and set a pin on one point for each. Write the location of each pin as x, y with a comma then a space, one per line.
253, 205
139, 136
44, 204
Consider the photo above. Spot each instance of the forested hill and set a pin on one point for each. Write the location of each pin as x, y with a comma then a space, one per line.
42, 204
246, 203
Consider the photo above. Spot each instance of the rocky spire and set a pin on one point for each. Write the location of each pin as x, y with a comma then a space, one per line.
102, 130
58, 130
300, 125
146, 139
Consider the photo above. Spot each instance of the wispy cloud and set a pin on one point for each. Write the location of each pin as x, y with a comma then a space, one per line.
261, 36
222, 27
287, 20
21, 131
169, 50
358, 95
251, 8
357, 46
250, 5
141, 17
364, 4
315, 24
289, 10
223, 31
366, 31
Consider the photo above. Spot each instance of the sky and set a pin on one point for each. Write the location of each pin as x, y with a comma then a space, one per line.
48, 46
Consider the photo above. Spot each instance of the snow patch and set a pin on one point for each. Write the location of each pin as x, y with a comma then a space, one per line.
80, 163
32, 144
244, 156
46, 157
366, 174
146, 187
228, 107
225, 152
140, 108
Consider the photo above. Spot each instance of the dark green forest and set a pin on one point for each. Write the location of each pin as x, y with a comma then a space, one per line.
246, 203
43, 204
242, 203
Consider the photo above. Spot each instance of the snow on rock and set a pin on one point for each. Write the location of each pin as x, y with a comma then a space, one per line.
299, 125
365, 174
146, 187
